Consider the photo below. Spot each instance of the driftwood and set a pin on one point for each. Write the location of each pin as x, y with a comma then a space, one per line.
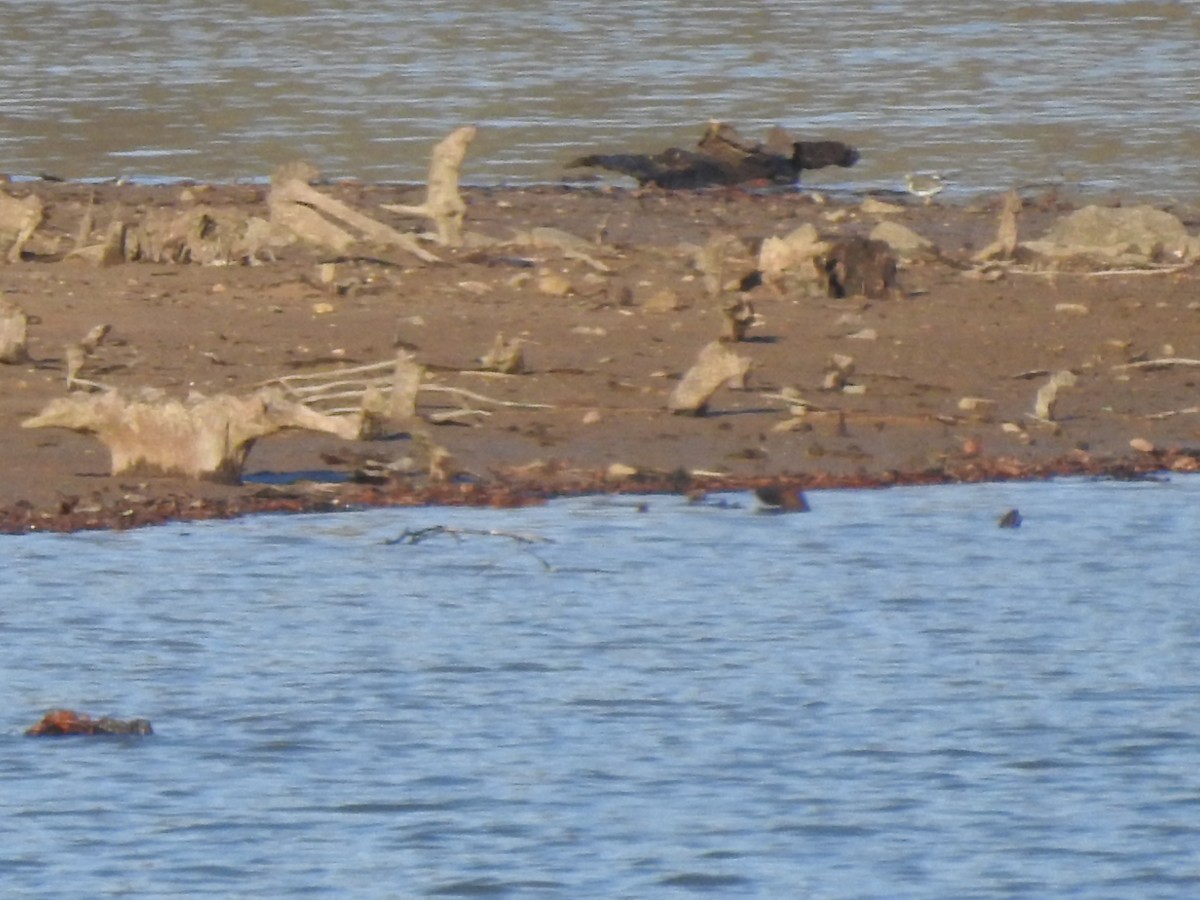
303, 210
385, 413
504, 356
61, 722
724, 157
443, 202
19, 219
204, 437
716, 366
14, 333
77, 355
1005, 245
738, 317
1047, 395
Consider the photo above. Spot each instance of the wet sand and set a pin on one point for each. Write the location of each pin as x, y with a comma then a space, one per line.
603, 350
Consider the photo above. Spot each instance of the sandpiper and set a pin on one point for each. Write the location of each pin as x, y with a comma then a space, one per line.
925, 186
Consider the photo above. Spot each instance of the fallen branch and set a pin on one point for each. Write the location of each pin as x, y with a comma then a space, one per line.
1164, 363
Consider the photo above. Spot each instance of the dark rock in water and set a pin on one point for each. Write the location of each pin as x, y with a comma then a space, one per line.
59, 722
776, 499
724, 157
1011, 519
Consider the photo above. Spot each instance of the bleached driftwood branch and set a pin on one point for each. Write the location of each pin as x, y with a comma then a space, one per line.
305, 211
443, 202
18, 221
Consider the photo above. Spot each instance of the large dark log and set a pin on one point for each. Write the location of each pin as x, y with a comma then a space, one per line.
724, 157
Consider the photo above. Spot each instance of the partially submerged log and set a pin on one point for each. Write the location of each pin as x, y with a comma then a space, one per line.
204, 437
14, 333
300, 208
716, 366
19, 219
724, 157
443, 202
61, 722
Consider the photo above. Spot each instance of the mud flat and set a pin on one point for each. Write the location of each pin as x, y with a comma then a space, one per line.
551, 340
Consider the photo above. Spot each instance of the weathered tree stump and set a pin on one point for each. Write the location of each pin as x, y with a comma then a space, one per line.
14, 333
443, 202
19, 219
860, 267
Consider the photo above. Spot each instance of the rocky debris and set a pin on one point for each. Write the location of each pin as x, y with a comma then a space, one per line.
738, 316
905, 242
715, 367
799, 256
1121, 236
1011, 519
62, 722
202, 437
724, 157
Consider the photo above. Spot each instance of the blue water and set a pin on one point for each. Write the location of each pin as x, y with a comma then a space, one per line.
886, 697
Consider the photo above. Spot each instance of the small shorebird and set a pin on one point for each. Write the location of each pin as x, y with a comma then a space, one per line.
925, 186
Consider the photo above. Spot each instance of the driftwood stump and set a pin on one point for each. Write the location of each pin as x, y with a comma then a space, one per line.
14, 328
443, 202
860, 267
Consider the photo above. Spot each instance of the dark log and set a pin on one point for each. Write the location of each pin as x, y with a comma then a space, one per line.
724, 158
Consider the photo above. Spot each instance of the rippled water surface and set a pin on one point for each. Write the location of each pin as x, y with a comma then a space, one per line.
887, 697
1098, 93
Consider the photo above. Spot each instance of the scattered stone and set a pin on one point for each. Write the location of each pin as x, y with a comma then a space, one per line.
1141, 445
592, 417
1132, 236
662, 301
620, 472
866, 334
905, 242
800, 254
874, 207
975, 404
738, 317
1075, 309
715, 366
554, 285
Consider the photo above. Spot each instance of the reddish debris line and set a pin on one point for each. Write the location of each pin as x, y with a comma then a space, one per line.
67, 721
526, 489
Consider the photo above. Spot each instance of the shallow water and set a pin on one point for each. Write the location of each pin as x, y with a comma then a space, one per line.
1098, 93
889, 696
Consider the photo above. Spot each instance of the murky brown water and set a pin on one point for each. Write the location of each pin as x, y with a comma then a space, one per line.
1101, 93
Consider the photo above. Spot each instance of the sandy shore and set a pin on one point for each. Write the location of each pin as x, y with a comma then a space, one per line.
605, 340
